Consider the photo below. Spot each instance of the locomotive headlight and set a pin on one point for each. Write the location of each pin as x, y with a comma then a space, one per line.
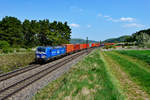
38, 56
44, 56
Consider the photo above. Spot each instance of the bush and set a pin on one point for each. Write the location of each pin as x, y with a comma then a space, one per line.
7, 50
4, 44
147, 45
1, 51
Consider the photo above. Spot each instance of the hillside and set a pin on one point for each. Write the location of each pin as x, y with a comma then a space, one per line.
119, 39
141, 37
77, 40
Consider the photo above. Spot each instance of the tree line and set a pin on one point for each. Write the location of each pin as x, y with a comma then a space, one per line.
140, 37
31, 33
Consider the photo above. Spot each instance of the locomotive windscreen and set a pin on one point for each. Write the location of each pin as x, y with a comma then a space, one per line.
41, 49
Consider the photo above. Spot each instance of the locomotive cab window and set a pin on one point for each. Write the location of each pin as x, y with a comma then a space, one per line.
41, 49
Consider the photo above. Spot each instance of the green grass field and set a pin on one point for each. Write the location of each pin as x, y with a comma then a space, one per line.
103, 75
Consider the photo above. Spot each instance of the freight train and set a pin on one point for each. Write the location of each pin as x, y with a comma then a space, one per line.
46, 53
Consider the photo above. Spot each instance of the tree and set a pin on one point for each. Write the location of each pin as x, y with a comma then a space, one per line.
11, 31
33, 33
44, 31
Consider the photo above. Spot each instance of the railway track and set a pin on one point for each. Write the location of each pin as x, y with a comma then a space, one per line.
17, 72
16, 87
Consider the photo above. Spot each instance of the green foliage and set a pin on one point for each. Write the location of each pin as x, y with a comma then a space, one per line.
4, 44
32, 33
147, 45
139, 54
11, 30
7, 50
141, 37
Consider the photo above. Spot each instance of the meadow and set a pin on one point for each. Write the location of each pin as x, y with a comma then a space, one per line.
13, 61
103, 75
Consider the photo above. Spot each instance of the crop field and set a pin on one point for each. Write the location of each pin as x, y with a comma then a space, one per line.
103, 75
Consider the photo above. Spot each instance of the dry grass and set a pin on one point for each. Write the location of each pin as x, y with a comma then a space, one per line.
9, 62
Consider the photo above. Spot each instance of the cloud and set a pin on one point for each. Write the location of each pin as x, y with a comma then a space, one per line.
127, 19
133, 25
122, 19
89, 26
74, 25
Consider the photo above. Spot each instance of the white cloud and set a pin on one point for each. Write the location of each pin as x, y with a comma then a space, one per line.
89, 26
122, 19
74, 25
134, 25
127, 19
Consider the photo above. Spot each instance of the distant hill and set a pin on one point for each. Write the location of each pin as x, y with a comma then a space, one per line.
80, 41
119, 39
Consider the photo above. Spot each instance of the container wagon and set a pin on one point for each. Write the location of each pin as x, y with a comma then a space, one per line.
69, 48
76, 47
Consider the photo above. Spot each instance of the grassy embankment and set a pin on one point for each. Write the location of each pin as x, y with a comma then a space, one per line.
132, 76
143, 55
90, 79
137, 69
9, 62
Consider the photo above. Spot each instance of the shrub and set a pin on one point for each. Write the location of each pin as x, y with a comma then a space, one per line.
7, 50
4, 44
1, 51
147, 45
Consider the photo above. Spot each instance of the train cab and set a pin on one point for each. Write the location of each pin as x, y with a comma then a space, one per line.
42, 53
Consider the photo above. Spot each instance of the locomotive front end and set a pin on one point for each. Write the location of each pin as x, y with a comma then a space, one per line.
40, 55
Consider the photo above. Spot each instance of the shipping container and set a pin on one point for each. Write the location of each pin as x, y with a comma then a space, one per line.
76, 47
81, 46
84, 46
69, 48
93, 44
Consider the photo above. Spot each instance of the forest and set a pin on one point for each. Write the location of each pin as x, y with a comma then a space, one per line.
31, 33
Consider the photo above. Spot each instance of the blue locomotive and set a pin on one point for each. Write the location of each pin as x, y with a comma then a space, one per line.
44, 54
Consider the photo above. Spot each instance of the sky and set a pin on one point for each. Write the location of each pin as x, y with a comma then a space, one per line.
95, 19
